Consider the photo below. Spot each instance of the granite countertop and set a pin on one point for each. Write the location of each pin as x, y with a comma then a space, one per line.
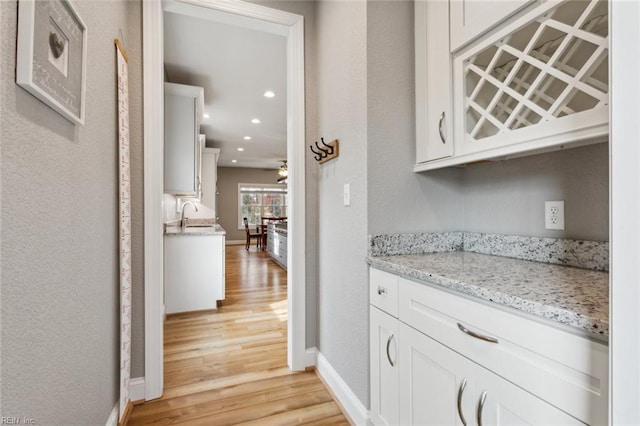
571, 296
195, 230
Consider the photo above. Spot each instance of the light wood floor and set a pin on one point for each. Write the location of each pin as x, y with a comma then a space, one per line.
229, 366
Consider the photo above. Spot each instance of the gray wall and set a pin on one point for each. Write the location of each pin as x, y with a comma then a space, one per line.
342, 114
228, 180
399, 199
60, 320
507, 197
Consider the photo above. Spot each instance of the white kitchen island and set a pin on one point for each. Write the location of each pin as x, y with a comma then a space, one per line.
194, 274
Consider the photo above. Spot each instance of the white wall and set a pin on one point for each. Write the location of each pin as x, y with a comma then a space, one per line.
60, 264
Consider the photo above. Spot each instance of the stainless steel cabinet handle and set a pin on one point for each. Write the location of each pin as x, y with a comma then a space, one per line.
483, 396
460, 392
440, 127
477, 335
388, 355
382, 290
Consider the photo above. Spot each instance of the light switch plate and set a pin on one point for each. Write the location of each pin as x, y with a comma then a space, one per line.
346, 193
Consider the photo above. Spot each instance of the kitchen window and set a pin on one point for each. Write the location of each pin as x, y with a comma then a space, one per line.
256, 200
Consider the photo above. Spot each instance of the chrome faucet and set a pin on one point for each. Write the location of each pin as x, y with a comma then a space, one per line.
183, 222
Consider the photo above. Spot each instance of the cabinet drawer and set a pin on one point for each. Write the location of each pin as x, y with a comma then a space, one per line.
383, 291
564, 369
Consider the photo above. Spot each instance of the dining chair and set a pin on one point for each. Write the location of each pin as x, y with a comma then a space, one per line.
257, 235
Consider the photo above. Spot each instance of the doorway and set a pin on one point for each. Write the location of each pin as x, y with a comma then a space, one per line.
291, 26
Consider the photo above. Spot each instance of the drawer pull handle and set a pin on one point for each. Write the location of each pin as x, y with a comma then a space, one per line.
477, 335
483, 397
382, 291
388, 355
440, 127
460, 392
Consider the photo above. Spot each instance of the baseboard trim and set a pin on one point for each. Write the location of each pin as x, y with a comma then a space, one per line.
235, 242
127, 412
345, 396
311, 357
113, 417
136, 390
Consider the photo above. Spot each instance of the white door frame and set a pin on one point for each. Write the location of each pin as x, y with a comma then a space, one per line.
624, 198
292, 26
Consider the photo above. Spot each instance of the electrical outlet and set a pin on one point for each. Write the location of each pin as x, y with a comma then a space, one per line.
554, 215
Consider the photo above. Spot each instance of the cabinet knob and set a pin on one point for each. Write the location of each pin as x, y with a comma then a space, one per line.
382, 291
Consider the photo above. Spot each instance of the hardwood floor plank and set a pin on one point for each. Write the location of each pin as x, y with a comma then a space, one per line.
229, 366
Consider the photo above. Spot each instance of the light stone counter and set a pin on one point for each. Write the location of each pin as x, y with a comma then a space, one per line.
195, 230
575, 297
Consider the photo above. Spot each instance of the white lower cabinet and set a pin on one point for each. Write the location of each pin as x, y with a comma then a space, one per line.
431, 381
383, 335
438, 386
427, 368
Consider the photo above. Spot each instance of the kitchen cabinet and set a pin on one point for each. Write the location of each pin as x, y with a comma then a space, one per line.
440, 387
532, 77
277, 242
209, 177
454, 352
433, 83
472, 18
194, 270
183, 106
383, 344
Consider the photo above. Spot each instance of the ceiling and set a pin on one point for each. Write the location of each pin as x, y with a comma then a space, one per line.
236, 64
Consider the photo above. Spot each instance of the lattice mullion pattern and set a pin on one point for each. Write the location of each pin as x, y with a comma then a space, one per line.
514, 71
539, 80
510, 91
580, 35
568, 93
559, 75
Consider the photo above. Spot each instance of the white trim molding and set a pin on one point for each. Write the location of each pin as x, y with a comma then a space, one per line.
349, 401
311, 357
113, 416
624, 199
153, 77
136, 389
292, 26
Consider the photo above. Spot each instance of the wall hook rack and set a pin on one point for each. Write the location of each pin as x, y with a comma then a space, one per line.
326, 152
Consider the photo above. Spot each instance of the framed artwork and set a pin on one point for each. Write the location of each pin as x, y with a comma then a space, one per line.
52, 55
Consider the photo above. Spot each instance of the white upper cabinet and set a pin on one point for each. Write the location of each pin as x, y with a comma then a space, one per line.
183, 106
472, 18
209, 176
433, 83
535, 81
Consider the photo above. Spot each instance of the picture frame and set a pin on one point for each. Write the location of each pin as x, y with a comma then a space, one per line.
51, 60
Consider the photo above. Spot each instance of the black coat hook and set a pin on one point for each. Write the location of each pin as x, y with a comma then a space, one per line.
325, 152
318, 155
330, 150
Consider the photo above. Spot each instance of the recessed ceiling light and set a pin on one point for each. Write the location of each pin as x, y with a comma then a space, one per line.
240, 149
205, 115
256, 121
234, 161
269, 94
247, 138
